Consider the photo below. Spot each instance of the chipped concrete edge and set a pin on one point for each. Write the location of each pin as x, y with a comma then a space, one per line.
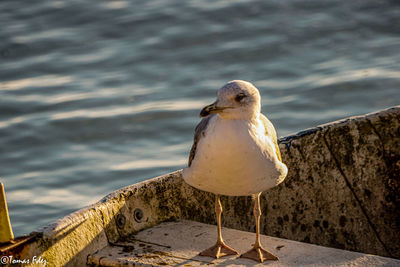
312, 130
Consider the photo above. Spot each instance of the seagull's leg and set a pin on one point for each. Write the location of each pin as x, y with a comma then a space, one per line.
220, 249
258, 253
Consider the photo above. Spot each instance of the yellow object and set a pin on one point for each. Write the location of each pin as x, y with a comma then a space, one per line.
6, 233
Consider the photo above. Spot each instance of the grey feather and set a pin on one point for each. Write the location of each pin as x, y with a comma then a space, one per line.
270, 131
198, 133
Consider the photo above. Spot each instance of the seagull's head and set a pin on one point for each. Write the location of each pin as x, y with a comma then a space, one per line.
235, 100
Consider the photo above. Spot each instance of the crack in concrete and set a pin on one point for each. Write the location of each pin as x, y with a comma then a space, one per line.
348, 184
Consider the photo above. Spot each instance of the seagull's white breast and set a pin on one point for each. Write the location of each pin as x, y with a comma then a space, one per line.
235, 158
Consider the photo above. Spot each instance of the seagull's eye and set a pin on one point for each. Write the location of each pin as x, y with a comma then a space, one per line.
239, 97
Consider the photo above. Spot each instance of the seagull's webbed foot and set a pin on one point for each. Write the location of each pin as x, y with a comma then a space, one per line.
259, 254
220, 249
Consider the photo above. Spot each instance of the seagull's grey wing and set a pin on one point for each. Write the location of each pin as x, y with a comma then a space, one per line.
270, 131
198, 134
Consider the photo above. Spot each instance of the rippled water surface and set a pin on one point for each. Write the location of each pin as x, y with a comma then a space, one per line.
96, 95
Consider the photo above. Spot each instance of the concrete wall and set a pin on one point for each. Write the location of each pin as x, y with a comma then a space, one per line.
342, 191
343, 187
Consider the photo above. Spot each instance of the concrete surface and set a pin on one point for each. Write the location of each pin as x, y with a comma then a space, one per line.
342, 191
179, 243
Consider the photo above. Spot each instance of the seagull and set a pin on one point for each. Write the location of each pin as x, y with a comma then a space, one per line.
235, 153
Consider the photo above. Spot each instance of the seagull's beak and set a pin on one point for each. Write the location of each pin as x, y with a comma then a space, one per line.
210, 109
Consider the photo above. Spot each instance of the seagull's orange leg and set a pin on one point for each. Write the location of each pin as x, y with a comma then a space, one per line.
258, 253
220, 249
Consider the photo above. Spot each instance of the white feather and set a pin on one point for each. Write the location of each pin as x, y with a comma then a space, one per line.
235, 158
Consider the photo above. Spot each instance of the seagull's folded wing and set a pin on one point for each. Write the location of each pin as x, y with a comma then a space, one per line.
270, 132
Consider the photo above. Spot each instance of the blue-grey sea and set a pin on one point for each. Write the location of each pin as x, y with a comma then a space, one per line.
99, 94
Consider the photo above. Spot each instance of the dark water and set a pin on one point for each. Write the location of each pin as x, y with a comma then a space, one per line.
96, 95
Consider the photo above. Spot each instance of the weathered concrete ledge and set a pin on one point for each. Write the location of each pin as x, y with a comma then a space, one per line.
342, 191
178, 244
